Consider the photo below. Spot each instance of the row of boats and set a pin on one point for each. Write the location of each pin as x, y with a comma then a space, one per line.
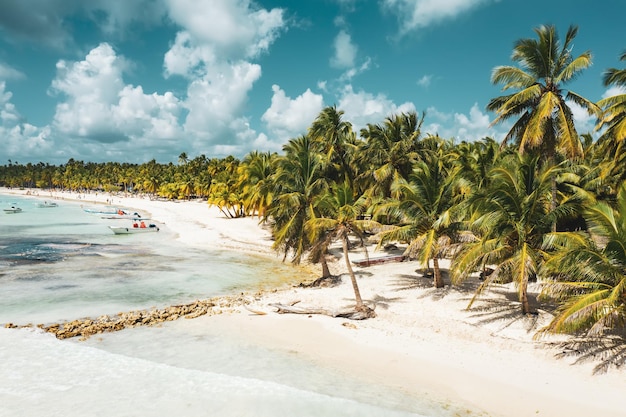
16, 209
110, 213
113, 213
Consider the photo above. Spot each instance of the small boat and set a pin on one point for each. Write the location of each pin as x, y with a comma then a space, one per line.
12, 210
47, 204
118, 230
124, 215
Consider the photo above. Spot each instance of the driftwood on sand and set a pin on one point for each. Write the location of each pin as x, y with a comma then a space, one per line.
347, 314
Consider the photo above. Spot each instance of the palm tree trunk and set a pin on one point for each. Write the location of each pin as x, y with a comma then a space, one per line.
437, 279
524, 297
325, 270
355, 285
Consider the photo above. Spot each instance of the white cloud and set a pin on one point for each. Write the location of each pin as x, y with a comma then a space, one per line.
8, 73
19, 138
462, 127
416, 14
345, 51
98, 106
361, 108
614, 91
425, 81
234, 28
287, 118
218, 98
584, 122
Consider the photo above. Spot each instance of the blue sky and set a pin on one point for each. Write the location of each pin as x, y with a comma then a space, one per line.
135, 80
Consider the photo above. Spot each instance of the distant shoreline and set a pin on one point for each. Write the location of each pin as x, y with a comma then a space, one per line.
423, 340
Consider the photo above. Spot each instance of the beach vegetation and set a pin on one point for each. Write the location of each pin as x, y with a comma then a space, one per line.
545, 203
340, 219
586, 272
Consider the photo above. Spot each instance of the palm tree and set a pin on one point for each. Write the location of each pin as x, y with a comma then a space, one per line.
613, 117
389, 151
298, 181
424, 212
512, 216
255, 181
334, 137
545, 122
588, 272
340, 213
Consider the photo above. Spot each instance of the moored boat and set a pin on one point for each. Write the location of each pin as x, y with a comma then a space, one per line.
120, 230
12, 210
47, 204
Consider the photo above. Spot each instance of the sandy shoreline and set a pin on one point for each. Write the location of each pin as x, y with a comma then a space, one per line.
423, 339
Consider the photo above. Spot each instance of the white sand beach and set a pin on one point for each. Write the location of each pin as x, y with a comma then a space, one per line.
422, 340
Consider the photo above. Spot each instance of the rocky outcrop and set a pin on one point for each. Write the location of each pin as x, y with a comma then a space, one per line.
88, 327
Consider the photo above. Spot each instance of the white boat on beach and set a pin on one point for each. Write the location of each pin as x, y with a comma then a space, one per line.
125, 216
47, 204
119, 230
12, 210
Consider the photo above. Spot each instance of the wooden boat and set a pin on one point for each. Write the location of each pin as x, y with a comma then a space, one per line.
118, 230
379, 260
47, 204
12, 210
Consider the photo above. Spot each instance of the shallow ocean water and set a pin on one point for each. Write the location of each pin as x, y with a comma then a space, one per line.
62, 263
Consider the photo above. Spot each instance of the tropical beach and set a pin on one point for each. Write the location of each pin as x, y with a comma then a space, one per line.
422, 340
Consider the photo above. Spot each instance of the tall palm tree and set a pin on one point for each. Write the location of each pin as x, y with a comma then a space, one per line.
545, 122
339, 220
512, 216
588, 272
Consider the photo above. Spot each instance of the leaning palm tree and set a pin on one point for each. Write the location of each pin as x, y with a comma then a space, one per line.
512, 215
339, 220
588, 272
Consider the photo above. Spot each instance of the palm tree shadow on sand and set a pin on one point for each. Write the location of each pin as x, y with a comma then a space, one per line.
608, 351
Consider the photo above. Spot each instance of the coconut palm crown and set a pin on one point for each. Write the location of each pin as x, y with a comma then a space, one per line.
545, 122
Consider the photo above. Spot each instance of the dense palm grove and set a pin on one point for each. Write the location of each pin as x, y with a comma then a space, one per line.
547, 203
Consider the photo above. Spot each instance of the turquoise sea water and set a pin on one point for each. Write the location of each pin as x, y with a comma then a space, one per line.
63, 263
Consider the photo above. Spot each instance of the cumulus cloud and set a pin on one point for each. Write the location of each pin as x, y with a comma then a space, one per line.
345, 51
361, 107
98, 106
463, 127
287, 118
19, 138
216, 99
234, 28
417, 14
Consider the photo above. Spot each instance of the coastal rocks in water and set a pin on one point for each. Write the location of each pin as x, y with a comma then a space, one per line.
88, 327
